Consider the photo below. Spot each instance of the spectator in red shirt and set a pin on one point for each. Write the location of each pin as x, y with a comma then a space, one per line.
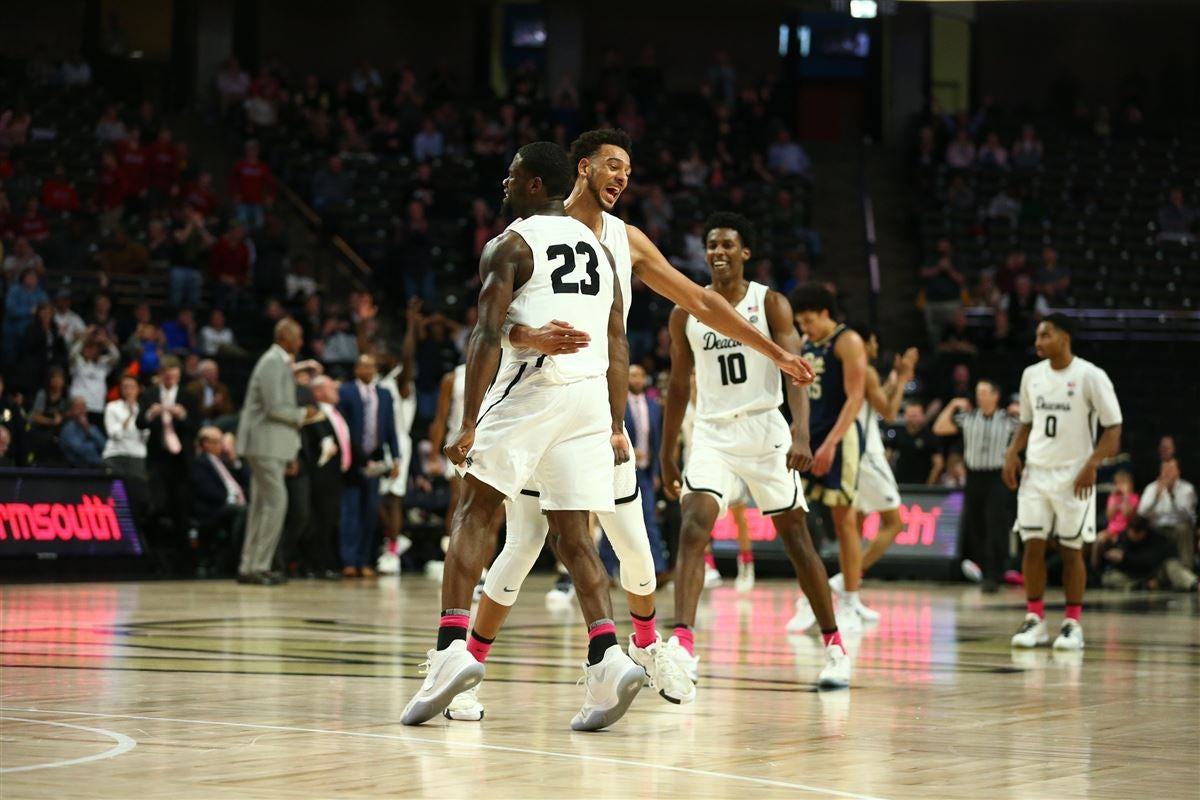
133, 159
58, 193
165, 161
229, 263
32, 225
199, 195
253, 188
111, 192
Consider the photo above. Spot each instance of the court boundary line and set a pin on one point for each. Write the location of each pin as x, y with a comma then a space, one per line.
620, 762
124, 745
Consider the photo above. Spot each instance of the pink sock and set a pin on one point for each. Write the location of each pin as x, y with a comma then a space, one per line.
686, 638
1036, 607
746, 557
1073, 611
709, 561
644, 633
833, 638
479, 646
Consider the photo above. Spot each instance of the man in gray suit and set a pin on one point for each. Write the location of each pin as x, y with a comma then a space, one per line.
268, 438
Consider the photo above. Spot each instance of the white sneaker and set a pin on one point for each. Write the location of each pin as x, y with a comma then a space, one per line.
434, 570
611, 687
1032, 632
847, 619
836, 672
712, 577
804, 618
971, 571
687, 662
837, 584
388, 564
403, 544
745, 576
1070, 636
864, 613
448, 673
664, 672
465, 706
563, 591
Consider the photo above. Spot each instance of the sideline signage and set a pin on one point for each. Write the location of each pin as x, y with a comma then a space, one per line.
47, 513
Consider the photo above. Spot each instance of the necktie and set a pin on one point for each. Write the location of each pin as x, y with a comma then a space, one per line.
641, 420
170, 438
231, 485
343, 436
370, 420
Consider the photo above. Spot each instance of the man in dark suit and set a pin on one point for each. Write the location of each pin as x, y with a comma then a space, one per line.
172, 417
643, 421
211, 396
298, 479
219, 502
327, 440
368, 411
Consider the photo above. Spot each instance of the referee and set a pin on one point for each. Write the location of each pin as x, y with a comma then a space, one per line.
988, 515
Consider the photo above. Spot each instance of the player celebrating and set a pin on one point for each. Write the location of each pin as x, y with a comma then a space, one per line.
877, 490
836, 398
742, 442
545, 420
603, 167
1062, 399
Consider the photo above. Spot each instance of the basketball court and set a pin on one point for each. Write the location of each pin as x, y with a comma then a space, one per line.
201, 689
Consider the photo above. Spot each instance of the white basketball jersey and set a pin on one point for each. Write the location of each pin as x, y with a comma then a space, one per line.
615, 236
868, 421
455, 417
572, 281
732, 378
1063, 407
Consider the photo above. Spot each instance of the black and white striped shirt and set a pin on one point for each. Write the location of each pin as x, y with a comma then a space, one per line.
985, 439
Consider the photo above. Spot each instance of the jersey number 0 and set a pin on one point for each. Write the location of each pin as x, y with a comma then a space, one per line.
591, 283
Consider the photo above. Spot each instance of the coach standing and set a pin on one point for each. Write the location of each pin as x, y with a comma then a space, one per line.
268, 438
988, 515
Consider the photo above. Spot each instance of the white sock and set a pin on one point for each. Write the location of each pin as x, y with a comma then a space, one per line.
850, 599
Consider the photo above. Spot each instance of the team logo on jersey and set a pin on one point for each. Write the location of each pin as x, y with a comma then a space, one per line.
1070, 388
1049, 405
714, 342
754, 317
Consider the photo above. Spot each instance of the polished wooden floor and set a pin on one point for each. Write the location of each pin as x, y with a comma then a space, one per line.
207, 689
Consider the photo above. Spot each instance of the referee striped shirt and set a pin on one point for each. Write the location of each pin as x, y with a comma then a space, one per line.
985, 439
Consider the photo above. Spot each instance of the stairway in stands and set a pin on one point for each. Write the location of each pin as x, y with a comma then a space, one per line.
838, 216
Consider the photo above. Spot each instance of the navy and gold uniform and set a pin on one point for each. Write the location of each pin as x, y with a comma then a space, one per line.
827, 396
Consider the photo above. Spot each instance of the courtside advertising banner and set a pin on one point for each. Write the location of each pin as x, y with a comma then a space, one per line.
53, 513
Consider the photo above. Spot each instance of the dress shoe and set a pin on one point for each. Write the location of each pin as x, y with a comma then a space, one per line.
350, 572
257, 579
367, 572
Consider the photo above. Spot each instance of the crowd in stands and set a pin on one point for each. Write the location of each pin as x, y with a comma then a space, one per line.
100, 203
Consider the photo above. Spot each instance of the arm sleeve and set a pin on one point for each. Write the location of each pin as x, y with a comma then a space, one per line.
1104, 399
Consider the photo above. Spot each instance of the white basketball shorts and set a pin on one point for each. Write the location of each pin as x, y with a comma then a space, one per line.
1047, 505
552, 435
877, 490
731, 459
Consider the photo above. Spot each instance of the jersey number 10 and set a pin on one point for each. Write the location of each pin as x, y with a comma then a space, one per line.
558, 282
733, 368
